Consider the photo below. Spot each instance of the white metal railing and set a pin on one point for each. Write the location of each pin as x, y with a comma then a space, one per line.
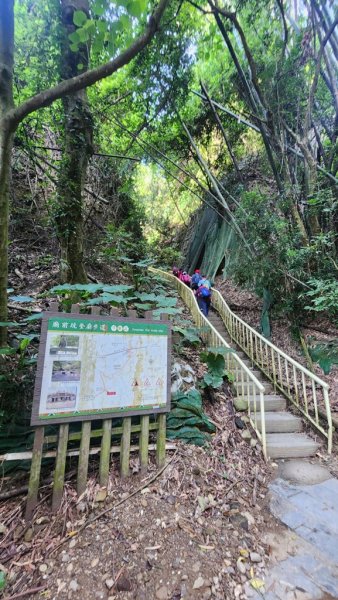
303, 388
246, 383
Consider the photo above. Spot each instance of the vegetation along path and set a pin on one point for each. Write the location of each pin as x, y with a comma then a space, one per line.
137, 136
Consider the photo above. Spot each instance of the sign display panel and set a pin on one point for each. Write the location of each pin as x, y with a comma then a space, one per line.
92, 367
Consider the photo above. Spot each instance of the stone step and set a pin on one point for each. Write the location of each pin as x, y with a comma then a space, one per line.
250, 386
246, 361
280, 422
272, 403
258, 374
290, 445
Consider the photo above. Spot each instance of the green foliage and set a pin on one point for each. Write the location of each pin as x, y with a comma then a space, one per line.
2, 580
214, 359
325, 354
187, 421
323, 296
190, 335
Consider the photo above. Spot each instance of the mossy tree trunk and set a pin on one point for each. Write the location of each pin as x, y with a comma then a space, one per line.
11, 116
77, 146
6, 137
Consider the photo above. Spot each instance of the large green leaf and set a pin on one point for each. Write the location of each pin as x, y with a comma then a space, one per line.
22, 299
77, 287
189, 335
164, 301
7, 351
167, 311
34, 317
116, 288
211, 380
144, 306
107, 299
79, 18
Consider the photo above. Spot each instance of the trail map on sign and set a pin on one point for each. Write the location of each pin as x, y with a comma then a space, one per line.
96, 366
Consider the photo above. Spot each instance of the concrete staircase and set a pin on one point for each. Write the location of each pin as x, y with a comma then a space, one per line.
283, 429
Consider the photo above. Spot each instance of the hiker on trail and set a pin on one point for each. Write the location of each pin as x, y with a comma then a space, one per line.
176, 271
195, 280
185, 277
203, 296
205, 282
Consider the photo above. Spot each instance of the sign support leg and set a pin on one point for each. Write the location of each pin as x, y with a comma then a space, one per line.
34, 479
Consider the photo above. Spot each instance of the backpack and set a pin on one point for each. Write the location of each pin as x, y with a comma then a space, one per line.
196, 278
204, 292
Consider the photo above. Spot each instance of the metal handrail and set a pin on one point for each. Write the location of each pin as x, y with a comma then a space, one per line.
289, 376
244, 379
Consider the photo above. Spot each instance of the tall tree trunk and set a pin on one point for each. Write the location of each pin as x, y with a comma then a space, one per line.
6, 135
78, 130
11, 117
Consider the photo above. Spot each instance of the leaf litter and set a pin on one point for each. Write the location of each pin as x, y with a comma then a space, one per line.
187, 532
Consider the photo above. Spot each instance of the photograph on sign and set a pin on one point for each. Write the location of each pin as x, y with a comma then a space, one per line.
92, 366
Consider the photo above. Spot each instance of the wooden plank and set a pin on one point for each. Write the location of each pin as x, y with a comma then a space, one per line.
125, 447
93, 451
95, 433
82, 470
34, 478
105, 452
144, 442
160, 441
60, 466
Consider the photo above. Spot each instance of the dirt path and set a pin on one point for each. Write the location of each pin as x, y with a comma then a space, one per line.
189, 534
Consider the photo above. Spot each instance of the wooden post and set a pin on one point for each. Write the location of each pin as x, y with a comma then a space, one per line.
59, 474
160, 442
34, 479
105, 452
125, 447
82, 470
143, 443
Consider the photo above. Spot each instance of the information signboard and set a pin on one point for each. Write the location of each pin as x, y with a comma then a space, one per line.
96, 367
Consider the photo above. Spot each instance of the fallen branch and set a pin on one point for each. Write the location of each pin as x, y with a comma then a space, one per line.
13, 493
26, 592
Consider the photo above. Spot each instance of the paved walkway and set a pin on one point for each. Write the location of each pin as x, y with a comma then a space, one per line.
306, 558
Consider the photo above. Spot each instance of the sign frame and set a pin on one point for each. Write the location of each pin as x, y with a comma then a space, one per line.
36, 420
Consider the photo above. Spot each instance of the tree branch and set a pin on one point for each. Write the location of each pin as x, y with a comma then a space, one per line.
45, 98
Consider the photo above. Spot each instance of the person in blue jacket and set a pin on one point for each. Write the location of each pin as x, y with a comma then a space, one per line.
203, 295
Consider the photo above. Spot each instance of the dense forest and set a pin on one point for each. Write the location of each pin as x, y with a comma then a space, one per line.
139, 134
214, 116
185, 132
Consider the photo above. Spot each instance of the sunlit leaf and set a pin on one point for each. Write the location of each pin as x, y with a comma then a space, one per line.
79, 18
